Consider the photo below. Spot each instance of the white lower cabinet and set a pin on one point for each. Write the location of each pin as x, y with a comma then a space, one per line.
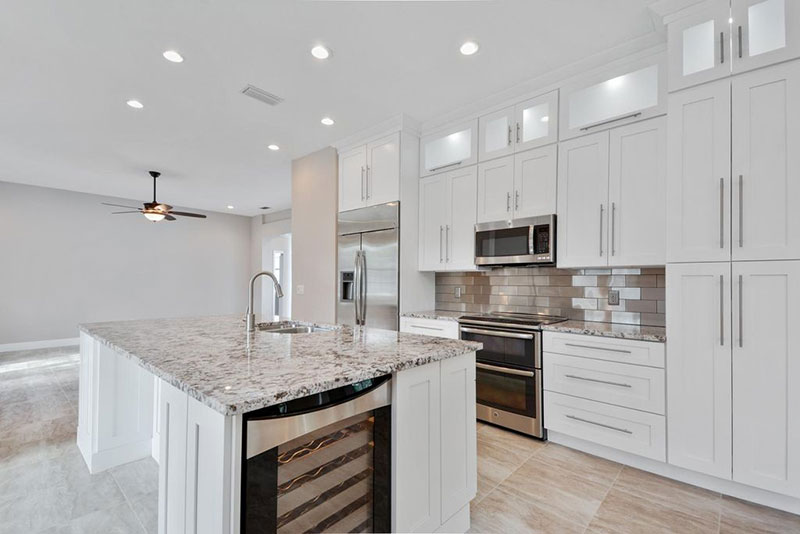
734, 371
433, 444
429, 327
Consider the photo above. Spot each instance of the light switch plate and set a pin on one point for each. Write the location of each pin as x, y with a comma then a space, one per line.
301, 289
613, 297
457, 292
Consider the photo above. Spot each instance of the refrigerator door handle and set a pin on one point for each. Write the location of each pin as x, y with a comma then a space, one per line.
357, 288
363, 278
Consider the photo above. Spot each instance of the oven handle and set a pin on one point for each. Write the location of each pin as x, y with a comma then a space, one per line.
496, 333
504, 370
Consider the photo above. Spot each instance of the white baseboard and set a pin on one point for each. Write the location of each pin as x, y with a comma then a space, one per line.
726, 487
45, 344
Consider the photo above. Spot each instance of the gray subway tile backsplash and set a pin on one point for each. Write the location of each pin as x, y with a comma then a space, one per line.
580, 294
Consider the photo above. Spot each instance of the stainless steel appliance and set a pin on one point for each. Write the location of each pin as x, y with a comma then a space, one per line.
527, 241
320, 463
368, 267
509, 368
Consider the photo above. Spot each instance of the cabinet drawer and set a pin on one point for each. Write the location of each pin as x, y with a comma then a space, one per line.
622, 384
605, 348
429, 327
621, 428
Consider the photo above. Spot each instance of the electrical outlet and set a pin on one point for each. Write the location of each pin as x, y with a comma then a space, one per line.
457, 292
301, 289
613, 297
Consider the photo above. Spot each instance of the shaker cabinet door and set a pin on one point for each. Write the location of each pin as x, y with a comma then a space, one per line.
383, 170
462, 192
764, 32
352, 179
535, 178
432, 217
496, 190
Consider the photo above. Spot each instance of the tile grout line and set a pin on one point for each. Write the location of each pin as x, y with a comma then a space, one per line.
127, 501
594, 515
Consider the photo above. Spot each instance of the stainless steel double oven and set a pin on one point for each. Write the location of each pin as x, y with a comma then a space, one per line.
509, 368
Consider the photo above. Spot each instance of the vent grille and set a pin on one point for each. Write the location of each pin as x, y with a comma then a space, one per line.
259, 94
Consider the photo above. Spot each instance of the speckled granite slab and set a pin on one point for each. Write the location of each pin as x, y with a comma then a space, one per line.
623, 331
435, 314
210, 357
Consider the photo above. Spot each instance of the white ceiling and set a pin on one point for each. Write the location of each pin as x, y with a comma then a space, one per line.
67, 68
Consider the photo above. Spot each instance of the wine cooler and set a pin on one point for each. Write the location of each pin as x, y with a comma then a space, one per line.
321, 463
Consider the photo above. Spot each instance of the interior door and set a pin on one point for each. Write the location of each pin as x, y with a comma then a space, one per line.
496, 134
637, 181
583, 201
699, 47
383, 170
380, 256
496, 190
699, 367
536, 122
345, 280
764, 32
460, 223
352, 182
535, 178
766, 375
699, 174
766, 164
433, 214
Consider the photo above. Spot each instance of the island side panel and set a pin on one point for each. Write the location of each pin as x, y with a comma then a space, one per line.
115, 406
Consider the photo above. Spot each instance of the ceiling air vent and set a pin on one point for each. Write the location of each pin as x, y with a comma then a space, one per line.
259, 94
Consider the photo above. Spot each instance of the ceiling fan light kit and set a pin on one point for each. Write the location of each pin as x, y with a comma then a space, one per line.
155, 211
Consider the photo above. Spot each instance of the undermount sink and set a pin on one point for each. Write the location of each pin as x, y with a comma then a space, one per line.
290, 327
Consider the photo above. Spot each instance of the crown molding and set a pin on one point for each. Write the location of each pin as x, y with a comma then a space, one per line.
398, 123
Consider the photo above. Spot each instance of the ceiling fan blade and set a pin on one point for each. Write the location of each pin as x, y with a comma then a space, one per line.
187, 214
118, 212
163, 207
120, 206
169, 217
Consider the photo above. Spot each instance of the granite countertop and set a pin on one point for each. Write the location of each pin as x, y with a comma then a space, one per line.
439, 315
623, 331
211, 359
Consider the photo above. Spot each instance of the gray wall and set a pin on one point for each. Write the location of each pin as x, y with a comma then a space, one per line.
65, 260
314, 208
575, 293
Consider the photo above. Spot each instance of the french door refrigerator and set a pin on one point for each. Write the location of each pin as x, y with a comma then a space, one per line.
368, 267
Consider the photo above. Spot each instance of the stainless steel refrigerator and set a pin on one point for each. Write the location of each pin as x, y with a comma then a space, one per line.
368, 267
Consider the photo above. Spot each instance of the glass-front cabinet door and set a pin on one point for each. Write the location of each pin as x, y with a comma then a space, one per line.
449, 148
536, 122
699, 47
764, 32
496, 134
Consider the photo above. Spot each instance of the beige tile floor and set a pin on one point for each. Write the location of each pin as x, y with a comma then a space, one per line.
524, 485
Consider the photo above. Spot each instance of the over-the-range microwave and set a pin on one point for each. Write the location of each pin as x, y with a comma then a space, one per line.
527, 241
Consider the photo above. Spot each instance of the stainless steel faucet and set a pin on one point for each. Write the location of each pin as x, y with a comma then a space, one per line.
251, 317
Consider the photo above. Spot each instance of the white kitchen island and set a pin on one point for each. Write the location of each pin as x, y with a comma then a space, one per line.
179, 389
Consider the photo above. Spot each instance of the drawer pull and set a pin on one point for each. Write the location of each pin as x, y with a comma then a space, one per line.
504, 370
597, 348
625, 430
426, 327
620, 384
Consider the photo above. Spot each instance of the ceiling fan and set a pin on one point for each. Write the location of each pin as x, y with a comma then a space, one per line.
155, 211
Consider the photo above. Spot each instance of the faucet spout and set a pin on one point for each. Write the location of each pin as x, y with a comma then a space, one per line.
251, 316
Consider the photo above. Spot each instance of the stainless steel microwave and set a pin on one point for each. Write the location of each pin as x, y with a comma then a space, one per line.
527, 241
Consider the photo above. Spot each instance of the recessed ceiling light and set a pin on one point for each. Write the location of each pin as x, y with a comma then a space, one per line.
172, 55
545, 119
135, 104
274, 147
327, 121
320, 52
230, 207
730, 20
469, 48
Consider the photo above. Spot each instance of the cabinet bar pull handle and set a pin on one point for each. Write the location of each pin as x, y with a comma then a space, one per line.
509, 135
740, 41
620, 384
496, 333
425, 327
362, 182
447, 243
721, 310
367, 182
601, 229
508, 201
631, 116
517, 132
596, 348
576, 418
721, 48
741, 211
445, 166
505, 370
741, 297
516, 200
613, 226
721, 213
441, 255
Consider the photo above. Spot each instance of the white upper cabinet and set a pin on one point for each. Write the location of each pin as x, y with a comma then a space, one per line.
614, 97
352, 178
764, 32
535, 177
536, 122
699, 367
496, 190
383, 170
496, 134
699, 46
637, 181
370, 174
456, 146
583, 201
766, 163
766, 375
447, 221
698, 174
